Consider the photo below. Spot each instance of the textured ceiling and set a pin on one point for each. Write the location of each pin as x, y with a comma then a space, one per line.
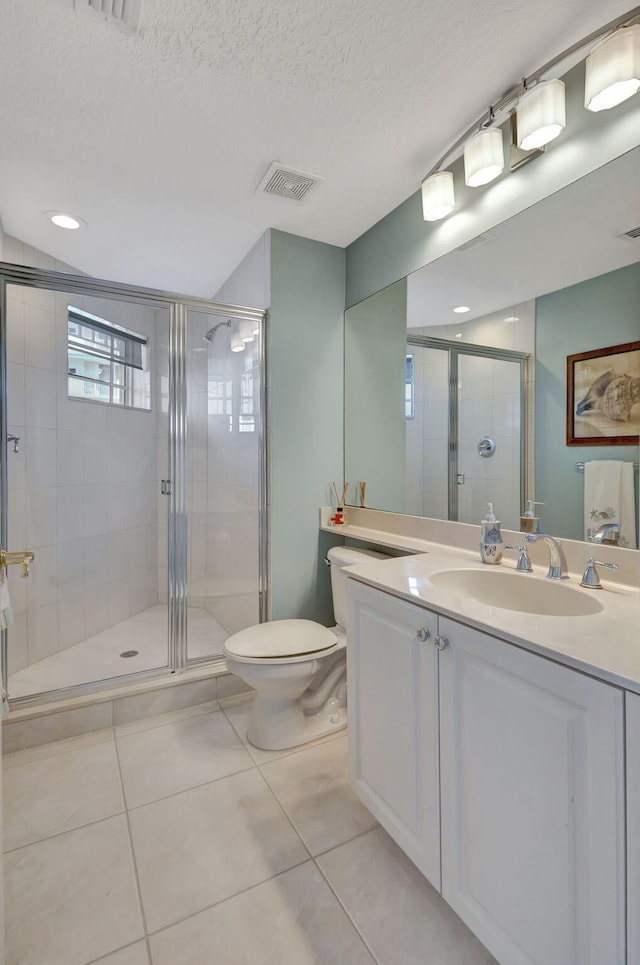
159, 140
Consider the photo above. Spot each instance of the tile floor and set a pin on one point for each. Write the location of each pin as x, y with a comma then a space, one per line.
172, 841
98, 657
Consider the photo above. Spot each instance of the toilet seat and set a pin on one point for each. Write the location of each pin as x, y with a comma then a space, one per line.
281, 641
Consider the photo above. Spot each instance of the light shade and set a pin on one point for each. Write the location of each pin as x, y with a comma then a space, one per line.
237, 345
541, 115
612, 72
483, 157
438, 197
246, 331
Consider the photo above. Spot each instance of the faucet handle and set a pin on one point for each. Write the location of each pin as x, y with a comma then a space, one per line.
524, 563
590, 577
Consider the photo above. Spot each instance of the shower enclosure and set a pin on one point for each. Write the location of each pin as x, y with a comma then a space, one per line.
132, 465
466, 416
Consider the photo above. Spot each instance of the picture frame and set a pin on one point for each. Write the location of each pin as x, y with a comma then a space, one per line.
603, 396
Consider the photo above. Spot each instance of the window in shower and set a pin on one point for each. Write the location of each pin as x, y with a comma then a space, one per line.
106, 363
409, 388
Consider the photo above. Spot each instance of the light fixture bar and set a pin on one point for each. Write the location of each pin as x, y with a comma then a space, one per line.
510, 99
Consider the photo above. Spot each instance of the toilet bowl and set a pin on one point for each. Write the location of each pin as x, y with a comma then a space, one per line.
297, 668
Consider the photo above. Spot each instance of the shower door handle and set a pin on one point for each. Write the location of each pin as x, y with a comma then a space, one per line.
23, 559
165, 487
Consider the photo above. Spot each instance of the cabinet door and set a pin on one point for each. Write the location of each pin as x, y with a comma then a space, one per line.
532, 803
392, 680
633, 829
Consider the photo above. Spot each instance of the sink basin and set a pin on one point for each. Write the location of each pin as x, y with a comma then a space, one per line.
518, 591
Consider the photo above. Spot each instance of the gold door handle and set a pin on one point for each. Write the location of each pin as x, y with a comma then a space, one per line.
23, 559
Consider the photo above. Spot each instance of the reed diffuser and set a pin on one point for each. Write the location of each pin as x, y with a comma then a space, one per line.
338, 517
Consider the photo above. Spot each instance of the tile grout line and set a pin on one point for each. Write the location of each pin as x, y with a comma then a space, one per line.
123, 948
236, 894
165, 723
185, 790
342, 904
9, 765
143, 916
59, 834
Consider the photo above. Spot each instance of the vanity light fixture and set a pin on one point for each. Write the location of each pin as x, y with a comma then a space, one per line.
612, 71
255, 329
246, 331
541, 114
461, 309
438, 197
236, 342
535, 110
68, 221
483, 157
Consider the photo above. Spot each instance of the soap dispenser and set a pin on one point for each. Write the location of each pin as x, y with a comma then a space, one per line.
490, 538
529, 522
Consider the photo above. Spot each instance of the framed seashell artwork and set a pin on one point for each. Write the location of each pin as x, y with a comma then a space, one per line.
603, 396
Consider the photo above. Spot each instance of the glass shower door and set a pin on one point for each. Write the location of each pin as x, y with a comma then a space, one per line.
488, 438
224, 512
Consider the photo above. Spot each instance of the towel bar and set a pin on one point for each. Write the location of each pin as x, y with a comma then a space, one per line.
580, 466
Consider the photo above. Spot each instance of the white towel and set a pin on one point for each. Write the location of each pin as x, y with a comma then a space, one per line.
6, 613
609, 498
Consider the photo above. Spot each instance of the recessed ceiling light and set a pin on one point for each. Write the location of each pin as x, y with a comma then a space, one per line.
63, 220
512, 318
458, 334
461, 309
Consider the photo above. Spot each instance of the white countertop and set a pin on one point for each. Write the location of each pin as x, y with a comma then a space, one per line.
604, 645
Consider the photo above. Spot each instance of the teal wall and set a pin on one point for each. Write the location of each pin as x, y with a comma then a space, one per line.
375, 345
594, 314
305, 388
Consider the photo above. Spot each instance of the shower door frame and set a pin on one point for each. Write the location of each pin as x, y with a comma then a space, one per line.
454, 351
178, 305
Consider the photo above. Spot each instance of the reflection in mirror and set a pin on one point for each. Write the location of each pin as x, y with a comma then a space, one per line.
424, 385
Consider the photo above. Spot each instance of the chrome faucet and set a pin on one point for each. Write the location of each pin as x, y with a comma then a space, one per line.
607, 533
557, 562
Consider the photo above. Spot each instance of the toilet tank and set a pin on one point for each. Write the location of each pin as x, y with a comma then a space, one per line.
339, 557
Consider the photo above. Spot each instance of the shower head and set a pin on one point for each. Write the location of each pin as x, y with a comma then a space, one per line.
208, 336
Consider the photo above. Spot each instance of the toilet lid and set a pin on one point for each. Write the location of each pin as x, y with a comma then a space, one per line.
281, 638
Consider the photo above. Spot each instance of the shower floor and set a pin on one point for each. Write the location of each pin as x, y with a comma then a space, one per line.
98, 657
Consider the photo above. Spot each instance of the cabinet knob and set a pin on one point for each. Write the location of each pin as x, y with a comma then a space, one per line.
423, 634
441, 642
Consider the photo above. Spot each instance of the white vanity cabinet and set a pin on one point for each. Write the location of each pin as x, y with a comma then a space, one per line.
531, 780
392, 675
633, 828
532, 801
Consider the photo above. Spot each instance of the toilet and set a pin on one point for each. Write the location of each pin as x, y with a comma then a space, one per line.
297, 668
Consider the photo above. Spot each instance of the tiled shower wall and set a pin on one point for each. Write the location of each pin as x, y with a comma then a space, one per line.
82, 489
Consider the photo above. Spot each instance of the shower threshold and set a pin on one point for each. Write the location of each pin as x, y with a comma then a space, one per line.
100, 657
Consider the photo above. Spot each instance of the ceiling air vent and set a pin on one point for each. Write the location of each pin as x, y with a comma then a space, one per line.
474, 243
288, 183
123, 14
632, 233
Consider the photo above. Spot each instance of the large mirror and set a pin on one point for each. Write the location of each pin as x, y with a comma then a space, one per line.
445, 411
